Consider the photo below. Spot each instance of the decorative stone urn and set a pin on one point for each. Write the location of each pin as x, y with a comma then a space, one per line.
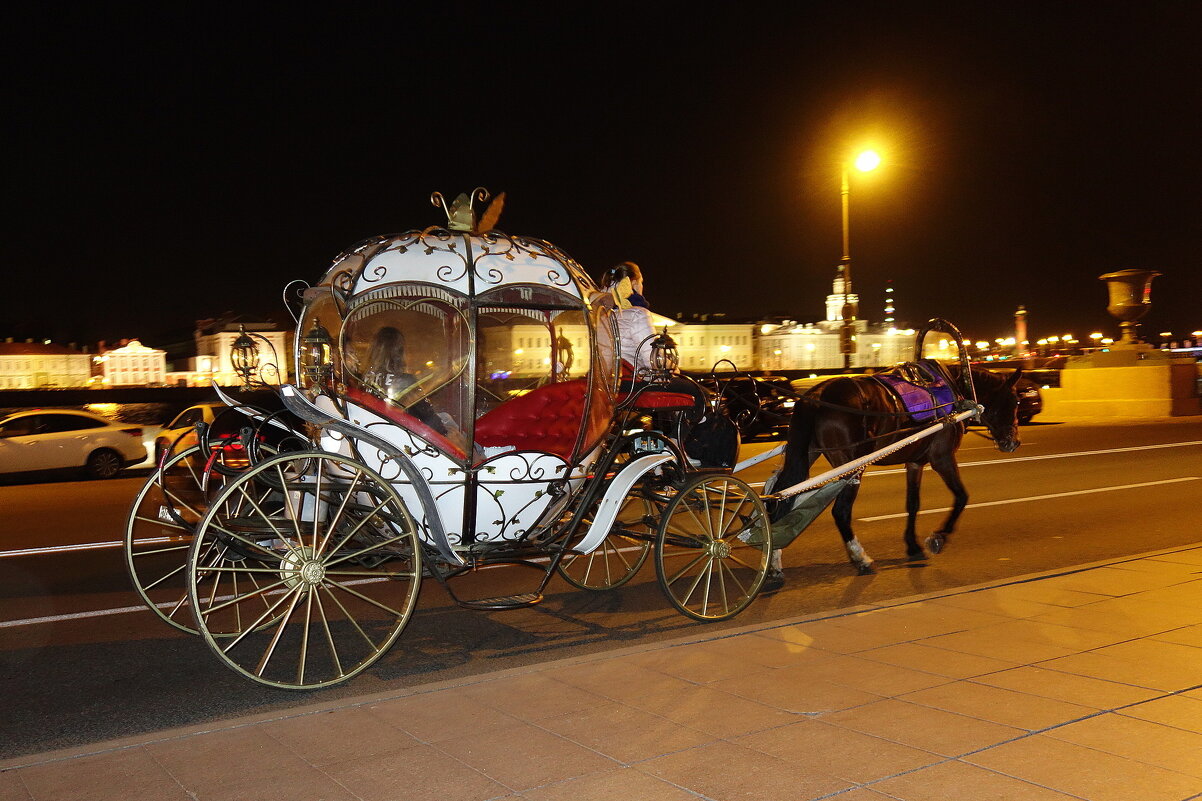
1130, 299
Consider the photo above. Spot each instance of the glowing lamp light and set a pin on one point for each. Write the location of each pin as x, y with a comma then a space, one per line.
868, 160
316, 361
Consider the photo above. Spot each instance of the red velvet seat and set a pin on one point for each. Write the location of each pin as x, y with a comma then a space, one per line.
659, 401
546, 419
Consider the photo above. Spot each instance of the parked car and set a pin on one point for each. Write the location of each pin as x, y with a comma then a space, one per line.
58, 439
1030, 399
761, 407
225, 423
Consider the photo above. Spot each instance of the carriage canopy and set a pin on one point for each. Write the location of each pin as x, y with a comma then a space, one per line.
476, 341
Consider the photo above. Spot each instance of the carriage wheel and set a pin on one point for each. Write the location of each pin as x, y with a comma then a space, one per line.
319, 571
712, 548
620, 555
158, 532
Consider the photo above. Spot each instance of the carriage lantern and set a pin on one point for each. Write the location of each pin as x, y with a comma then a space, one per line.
1130, 299
316, 362
664, 357
244, 355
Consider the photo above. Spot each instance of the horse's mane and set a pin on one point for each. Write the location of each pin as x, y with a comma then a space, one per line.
982, 378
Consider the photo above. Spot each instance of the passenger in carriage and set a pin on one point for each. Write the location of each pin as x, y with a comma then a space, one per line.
388, 378
623, 290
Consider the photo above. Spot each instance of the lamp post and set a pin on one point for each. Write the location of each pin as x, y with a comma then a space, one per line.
868, 160
244, 356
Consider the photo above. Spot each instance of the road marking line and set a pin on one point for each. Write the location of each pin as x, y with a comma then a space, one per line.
1012, 459
1036, 498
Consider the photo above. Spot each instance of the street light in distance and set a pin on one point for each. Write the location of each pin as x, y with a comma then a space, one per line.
866, 161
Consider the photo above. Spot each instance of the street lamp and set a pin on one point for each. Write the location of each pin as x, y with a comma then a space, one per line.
868, 160
245, 358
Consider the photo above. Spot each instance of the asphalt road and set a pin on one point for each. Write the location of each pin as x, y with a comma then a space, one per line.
81, 661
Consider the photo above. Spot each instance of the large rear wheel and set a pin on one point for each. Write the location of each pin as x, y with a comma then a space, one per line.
712, 547
319, 572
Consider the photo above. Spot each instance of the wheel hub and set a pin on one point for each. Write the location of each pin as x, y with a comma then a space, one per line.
299, 567
718, 549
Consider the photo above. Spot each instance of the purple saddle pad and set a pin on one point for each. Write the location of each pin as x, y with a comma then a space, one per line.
922, 401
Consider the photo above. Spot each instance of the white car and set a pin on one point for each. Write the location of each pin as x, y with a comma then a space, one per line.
55, 439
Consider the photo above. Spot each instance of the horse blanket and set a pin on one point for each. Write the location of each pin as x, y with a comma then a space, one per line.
922, 388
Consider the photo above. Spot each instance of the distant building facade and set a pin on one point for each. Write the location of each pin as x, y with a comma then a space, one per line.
792, 345
30, 365
133, 364
214, 342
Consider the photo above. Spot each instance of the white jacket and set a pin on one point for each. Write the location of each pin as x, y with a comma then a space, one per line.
634, 326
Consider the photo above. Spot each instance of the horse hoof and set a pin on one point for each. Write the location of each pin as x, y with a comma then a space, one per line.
916, 556
935, 543
866, 569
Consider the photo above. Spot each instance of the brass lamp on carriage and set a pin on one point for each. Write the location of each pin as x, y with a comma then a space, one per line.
664, 358
316, 362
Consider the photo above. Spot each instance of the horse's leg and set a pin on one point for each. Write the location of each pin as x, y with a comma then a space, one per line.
945, 465
842, 514
913, 499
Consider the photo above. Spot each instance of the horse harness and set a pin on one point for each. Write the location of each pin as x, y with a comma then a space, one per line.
923, 392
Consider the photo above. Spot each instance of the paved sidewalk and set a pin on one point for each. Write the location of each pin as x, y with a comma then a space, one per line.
1085, 684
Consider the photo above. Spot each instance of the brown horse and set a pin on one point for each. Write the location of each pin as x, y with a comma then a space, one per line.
849, 417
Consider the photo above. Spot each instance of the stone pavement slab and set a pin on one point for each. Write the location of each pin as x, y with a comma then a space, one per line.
1077, 684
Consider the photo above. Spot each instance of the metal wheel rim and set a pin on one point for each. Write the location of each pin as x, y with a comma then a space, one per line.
703, 561
105, 464
171, 523
302, 609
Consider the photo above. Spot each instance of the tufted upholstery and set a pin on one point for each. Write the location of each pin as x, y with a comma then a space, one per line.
546, 419
403, 419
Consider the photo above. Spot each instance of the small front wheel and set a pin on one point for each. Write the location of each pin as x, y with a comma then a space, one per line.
713, 547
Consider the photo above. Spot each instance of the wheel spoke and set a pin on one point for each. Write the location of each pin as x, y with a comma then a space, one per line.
337, 518
279, 632
703, 522
302, 529
347, 589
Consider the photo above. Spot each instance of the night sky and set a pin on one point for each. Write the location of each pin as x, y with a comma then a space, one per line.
169, 164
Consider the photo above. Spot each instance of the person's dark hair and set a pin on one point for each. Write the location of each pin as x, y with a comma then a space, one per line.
626, 269
387, 353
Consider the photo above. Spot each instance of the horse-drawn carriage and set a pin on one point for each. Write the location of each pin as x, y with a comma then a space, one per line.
458, 405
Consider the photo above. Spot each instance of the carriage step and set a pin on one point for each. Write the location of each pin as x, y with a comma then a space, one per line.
501, 602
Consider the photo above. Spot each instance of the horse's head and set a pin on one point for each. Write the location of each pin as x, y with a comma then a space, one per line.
1000, 400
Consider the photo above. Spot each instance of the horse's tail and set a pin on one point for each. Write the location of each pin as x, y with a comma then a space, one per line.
796, 467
